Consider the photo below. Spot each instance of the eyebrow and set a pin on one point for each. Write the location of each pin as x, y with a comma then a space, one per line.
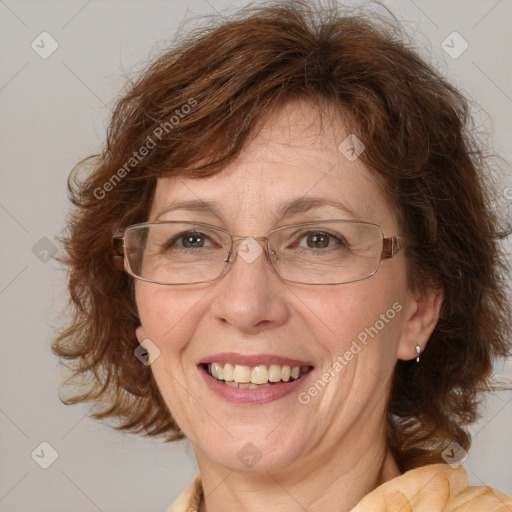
286, 209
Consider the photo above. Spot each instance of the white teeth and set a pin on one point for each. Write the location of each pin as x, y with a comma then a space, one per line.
242, 376
274, 373
242, 385
259, 375
228, 372
215, 370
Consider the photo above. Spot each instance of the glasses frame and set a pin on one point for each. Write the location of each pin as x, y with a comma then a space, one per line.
390, 246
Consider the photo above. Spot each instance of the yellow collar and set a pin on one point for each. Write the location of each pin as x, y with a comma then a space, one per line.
433, 488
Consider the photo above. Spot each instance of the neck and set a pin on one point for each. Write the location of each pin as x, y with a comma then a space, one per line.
344, 476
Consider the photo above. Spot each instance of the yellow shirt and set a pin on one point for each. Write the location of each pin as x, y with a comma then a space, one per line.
434, 488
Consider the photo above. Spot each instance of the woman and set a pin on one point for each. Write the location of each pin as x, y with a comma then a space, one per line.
286, 253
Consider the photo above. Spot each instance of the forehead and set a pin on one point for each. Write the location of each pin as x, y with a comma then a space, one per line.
293, 169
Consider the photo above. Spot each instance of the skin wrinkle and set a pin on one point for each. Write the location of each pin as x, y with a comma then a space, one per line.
250, 309
440, 191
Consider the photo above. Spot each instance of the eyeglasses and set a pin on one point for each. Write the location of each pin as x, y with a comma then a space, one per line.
316, 253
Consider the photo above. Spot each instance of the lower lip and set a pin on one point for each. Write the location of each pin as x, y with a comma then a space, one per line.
251, 396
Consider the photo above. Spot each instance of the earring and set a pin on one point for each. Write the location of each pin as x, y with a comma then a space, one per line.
418, 351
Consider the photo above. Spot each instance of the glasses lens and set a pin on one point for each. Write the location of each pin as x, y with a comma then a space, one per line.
327, 252
176, 252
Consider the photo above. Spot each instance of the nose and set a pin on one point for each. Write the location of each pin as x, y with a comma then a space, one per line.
250, 297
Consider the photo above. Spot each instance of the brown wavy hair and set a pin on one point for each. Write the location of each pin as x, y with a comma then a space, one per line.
198, 104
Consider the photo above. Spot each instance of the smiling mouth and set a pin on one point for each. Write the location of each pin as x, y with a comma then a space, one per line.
259, 376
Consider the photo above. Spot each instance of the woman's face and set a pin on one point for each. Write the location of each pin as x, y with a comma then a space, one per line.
348, 335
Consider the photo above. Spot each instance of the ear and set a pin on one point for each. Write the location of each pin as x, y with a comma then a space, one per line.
421, 316
141, 335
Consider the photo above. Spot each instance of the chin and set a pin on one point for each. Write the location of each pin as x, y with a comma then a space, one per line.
253, 452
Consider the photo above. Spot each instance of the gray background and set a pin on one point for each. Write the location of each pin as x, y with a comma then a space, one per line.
53, 112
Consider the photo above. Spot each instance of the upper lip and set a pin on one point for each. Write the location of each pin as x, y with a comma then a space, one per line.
252, 360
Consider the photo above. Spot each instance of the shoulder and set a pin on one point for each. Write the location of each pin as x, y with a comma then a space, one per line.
189, 499
438, 487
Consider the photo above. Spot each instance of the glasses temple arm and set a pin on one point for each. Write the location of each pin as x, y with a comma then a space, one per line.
390, 246
118, 245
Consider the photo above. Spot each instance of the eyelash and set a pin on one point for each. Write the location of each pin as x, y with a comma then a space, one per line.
338, 240
180, 237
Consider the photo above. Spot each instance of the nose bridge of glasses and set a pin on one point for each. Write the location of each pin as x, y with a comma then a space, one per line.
251, 249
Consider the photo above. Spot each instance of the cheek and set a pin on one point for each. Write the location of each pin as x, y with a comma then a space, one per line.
348, 314
362, 317
168, 316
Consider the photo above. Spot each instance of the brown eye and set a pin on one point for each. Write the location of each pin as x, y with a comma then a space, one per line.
192, 240
318, 240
